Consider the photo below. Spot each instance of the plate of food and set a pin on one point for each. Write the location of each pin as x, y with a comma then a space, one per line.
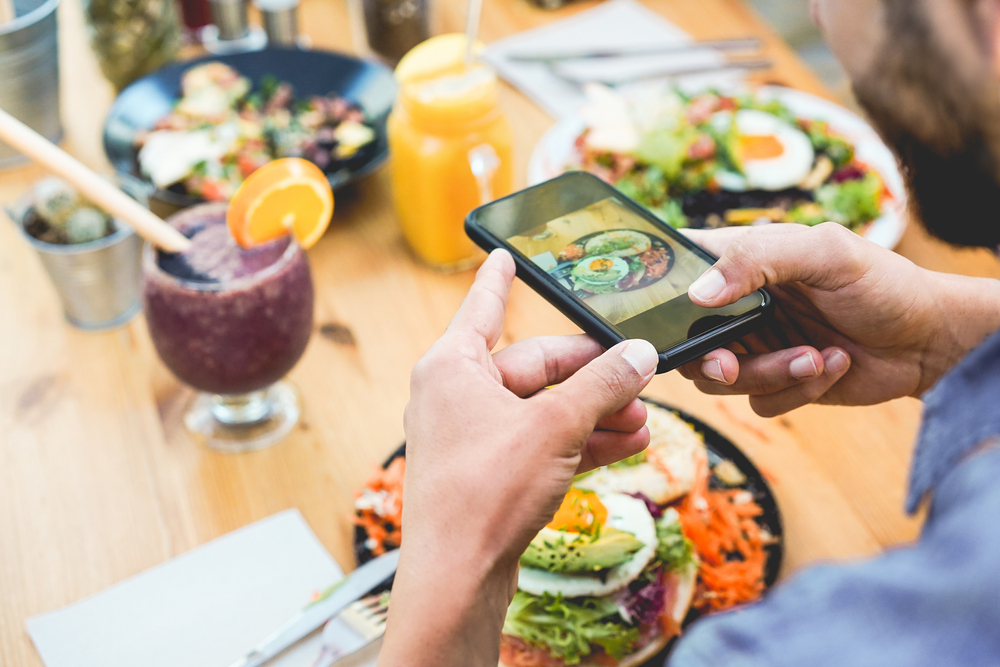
637, 550
740, 157
611, 262
193, 131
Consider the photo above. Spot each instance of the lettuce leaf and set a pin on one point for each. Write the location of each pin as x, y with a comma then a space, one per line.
568, 629
773, 107
824, 140
649, 187
675, 550
852, 203
667, 148
726, 140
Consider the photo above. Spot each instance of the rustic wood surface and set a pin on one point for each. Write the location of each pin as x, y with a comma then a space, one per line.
99, 481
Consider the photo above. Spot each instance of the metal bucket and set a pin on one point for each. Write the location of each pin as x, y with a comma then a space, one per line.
98, 282
29, 72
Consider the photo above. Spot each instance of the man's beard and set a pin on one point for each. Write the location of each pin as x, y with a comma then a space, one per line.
943, 122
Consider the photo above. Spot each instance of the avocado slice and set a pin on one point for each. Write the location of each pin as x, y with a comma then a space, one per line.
560, 551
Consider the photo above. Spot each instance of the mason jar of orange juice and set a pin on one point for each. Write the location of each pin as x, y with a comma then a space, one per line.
451, 149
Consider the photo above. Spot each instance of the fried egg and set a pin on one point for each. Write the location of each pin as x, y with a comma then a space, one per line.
675, 455
624, 513
774, 155
600, 270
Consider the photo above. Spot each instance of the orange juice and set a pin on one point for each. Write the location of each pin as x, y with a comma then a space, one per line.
451, 149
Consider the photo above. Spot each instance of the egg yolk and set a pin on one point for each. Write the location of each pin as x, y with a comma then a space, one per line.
580, 512
601, 265
760, 147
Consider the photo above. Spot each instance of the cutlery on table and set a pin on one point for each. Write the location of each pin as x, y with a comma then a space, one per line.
747, 65
741, 44
354, 628
337, 599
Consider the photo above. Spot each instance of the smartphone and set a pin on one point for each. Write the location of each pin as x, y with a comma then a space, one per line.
613, 267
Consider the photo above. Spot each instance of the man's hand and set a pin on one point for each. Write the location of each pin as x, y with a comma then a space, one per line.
856, 324
490, 454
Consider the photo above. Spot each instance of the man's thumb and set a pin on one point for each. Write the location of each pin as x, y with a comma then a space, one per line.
610, 382
827, 256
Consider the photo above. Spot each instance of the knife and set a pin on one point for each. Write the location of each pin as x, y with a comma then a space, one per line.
742, 44
352, 588
746, 65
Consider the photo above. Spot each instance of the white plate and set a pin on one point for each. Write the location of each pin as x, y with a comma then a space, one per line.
555, 151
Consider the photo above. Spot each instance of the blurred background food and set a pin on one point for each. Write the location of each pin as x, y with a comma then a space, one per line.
223, 128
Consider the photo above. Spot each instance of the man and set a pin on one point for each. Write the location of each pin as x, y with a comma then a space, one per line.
489, 457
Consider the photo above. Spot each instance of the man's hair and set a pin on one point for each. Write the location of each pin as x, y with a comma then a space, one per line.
935, 98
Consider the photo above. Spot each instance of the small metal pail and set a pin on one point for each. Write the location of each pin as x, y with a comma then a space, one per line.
29, 72
98, 282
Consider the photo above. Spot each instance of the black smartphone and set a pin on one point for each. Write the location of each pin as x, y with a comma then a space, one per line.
613, 267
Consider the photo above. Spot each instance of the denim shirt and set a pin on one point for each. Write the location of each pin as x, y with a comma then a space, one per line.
935, 603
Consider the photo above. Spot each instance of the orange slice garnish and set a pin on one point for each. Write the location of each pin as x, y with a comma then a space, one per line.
290, 195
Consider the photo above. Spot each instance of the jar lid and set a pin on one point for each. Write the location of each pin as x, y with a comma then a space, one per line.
453, 97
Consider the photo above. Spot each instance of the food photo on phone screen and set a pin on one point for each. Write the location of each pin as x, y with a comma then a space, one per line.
623, 267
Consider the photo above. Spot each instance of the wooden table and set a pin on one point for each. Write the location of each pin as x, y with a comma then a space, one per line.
99, 481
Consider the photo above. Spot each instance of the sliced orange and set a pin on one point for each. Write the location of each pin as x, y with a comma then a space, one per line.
290, 195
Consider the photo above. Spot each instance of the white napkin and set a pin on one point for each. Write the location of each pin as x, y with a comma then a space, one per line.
616, 24
205, 608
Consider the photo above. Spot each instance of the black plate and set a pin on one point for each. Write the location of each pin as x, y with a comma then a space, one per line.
562, 271
138, 107
719, 447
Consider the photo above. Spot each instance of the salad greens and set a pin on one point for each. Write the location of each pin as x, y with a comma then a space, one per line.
667, 148
610, 244
674, 549
838, 149
676, 168
650, 188
810, 213
567, 629
726, 140
221, 130
851, 202
773, 107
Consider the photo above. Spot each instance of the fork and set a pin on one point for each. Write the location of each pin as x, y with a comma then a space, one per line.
356, 627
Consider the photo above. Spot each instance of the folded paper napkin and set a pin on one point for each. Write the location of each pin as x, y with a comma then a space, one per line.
616, 24
205, 608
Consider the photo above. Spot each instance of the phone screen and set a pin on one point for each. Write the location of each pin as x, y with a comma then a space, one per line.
630, 270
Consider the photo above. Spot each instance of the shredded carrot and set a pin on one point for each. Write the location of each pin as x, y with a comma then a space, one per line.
381, 517
730, 545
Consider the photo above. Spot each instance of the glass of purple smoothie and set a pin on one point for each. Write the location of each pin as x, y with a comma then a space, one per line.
230, 322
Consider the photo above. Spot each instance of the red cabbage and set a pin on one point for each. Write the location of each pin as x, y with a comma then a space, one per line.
849, 172
653, 508
644, 605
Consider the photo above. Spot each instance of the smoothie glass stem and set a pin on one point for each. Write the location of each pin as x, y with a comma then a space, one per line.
241, 409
